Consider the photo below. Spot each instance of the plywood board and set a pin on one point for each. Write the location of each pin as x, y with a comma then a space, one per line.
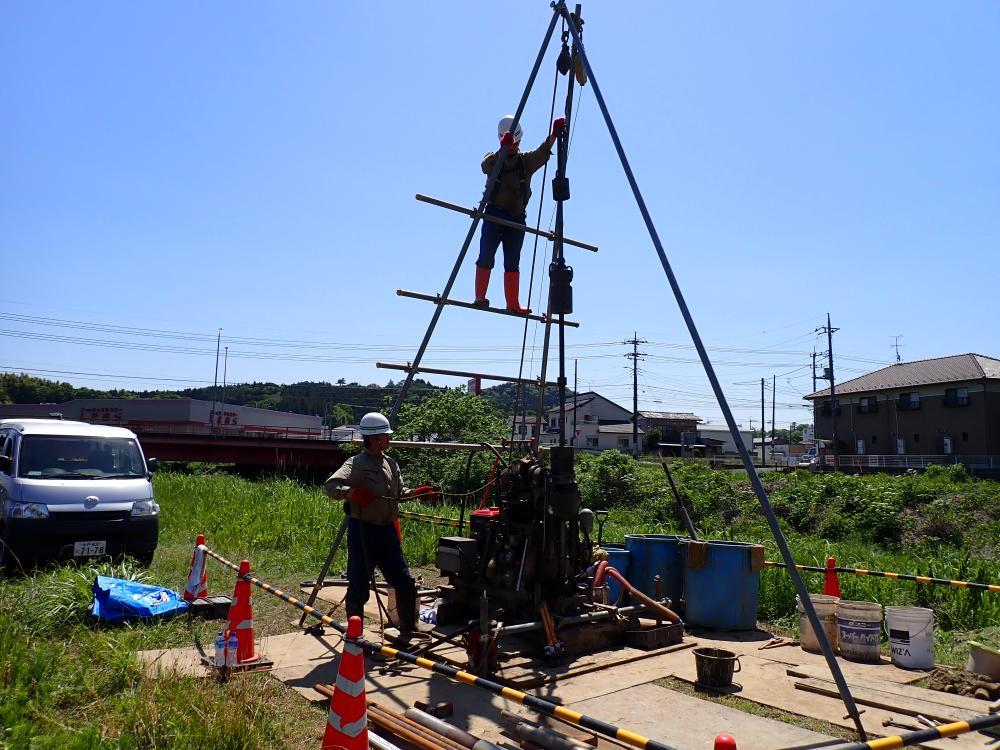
960, 702
689, 723
869, 696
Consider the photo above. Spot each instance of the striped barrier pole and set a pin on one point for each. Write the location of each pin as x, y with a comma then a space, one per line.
924, 735
540, 705
971, 585
425, 518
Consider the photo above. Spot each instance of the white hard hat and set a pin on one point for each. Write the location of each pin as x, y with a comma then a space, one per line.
374, 423
504, 126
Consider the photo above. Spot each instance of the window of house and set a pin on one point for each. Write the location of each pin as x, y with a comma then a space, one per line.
956, 397
946, 445
916, 437
965, 437
860, 446
874, 439
591, 442
623, 443
831, 408
909, 401
868, 404
901, 446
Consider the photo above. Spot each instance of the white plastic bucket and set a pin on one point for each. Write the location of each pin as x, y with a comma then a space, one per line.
911, 636
859, 630
825, 607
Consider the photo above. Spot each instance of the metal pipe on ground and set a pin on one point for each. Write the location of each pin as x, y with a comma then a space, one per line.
448, 730
399, 720
380, 743
528, 627
536, 734
542, 706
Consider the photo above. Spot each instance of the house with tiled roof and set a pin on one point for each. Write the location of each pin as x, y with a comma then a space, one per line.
945, 407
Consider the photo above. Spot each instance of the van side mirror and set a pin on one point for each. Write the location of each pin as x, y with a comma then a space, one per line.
6, 464
151, 464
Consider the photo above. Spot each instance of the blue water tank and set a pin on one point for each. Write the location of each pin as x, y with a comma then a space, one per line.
652, 555
721, 585
618, 558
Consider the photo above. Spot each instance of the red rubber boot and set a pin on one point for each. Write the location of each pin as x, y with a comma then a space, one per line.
511, 284
482, 284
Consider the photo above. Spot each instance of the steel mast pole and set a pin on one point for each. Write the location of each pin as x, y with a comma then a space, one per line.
758, 486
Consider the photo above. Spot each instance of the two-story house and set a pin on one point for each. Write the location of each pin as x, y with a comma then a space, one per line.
948, 406
593, 423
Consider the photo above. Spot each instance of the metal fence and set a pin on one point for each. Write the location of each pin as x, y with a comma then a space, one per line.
891, 461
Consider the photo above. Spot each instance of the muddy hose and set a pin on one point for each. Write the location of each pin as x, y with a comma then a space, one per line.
604, 569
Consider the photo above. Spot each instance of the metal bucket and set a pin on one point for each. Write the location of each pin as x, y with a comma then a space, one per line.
715, 666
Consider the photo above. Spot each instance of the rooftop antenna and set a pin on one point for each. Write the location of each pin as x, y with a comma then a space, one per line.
895, 345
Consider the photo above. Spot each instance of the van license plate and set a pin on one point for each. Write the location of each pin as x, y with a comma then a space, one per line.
88, 549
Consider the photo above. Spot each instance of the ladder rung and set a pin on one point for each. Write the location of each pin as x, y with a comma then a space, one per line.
460, 374
504, 222
438, 299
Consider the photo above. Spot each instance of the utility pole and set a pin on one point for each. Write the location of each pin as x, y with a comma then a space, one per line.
225, 369
814, 369
576, 395
829, 331
215, 385
763, 425
774, 393
635, 355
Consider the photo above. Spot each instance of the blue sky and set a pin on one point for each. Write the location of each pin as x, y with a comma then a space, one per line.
173, 169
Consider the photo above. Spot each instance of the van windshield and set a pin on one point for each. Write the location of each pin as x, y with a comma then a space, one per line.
79, 457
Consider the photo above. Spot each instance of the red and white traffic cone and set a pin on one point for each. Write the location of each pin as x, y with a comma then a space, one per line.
347, 720
197, 580
725, 742
241, 618
831, 586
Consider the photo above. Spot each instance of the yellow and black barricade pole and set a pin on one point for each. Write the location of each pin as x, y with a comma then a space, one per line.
970, 585
426, 518
941, 731
466, 678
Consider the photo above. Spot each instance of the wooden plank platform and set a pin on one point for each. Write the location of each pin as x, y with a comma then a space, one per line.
438, 299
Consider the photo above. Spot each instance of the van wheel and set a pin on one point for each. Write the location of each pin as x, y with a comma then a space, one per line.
145, 559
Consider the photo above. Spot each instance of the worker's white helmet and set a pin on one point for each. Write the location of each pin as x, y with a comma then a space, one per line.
504, 126
374, 423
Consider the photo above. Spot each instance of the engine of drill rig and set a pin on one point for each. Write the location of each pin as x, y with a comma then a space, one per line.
531, 547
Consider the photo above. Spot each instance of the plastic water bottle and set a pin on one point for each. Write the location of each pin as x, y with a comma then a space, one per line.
231, 649
220, 649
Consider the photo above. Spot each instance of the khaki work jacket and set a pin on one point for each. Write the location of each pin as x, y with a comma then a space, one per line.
377, 474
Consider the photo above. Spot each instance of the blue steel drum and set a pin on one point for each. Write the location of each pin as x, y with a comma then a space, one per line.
722, 593
618, 558
652, 555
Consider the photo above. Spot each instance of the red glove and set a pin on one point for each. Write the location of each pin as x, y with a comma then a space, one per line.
507, 140
360, 495
424, 491
557, 126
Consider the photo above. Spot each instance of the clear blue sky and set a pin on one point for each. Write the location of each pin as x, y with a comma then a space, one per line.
187, 167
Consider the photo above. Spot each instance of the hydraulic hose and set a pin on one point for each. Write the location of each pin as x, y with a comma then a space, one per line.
604, 569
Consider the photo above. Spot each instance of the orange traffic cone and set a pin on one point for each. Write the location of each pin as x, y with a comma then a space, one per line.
241, 617
347, 721
725, 742
831, 586
197, 581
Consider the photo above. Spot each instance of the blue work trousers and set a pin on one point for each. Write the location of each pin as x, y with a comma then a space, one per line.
370, 546
494, 234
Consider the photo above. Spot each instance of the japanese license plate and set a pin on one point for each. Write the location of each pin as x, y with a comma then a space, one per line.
88, 549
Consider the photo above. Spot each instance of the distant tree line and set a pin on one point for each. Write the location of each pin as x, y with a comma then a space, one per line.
340, 402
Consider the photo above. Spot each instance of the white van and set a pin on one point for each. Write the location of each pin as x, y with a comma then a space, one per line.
73, 490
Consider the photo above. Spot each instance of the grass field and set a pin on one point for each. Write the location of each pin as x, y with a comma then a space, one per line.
67, 684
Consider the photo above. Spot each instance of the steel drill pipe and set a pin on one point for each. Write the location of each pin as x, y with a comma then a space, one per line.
441, 727
411, 726
535, 703
528, 627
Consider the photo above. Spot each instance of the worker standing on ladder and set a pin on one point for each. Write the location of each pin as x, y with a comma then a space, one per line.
372, 485
508, 200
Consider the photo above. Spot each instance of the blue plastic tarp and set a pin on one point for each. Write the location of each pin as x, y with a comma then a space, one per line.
117, 600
